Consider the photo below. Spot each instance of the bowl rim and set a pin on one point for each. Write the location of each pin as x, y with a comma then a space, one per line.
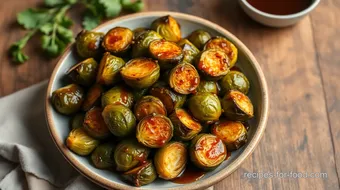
203, 183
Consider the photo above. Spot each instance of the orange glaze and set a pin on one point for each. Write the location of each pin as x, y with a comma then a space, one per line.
139, 68
186, 79
187, 120
124, 96
158, 128
216, 149
214, 62
164, 49
95, 121
117, 39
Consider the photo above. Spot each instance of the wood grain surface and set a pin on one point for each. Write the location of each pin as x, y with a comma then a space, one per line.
302, 67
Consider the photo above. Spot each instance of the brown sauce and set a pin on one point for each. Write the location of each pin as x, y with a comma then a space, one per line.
189, 175
228, 156
280, 7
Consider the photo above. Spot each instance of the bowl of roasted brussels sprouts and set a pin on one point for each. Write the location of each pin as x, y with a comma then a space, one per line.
157, 100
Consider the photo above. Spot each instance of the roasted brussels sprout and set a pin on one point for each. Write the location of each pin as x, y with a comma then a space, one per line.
205, 106
84, 73
170, 99
93, 97
168, 54
129, 153
141, 175
148, 105
232, 133
140, 72
189, 50
224, 45
154, 131
138, 31
94, 124
234, 80
119, 119
167, 27
80, 142
118, 95
118, 40
139, 93
199, 38
237, 106
213, 64
208, 86
185, 127
184, 78
170, 160
88, 43
77, 121
102, 156
109, 67
207, 151
141, 46
68, 99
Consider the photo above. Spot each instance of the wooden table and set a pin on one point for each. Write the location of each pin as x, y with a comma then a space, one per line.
301, 65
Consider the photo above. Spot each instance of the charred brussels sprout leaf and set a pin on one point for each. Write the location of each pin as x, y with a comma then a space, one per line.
184, 78
102, 156
237, 106
141, 46
88, 43
80, 142
199, 38
109, 67
185, 127
139, 93
84, 73
118, 40
167, 27
168, 54
208, 86
141, 175
189, 50
205, 106
93, 97
138, 31
68, 100
77, 121
234, 80
94, 124
232, 133
148, 105
118, 95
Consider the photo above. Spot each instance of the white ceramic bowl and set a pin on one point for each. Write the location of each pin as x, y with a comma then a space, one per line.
275, 20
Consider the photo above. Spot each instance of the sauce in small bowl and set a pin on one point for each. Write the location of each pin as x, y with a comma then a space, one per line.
280, 7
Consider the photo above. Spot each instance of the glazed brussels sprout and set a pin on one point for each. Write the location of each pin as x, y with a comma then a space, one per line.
139, 93
148, 105
232, 133
154, 131
205, 106
234, 80
224, 45
93, 97
140, 72
199, 38
185, 127
237, 106
94, 124
189, 50
141, 175
120, 120
207, 151
170, 160
77, 121
118, 95
168, 54
102, 156
118, 40
84, 73
213, 64
88, 43
129, 153
141, 46
109, 67
208, 86
68, 100
184, 78
167, 27
80, 142
138, 31
170, 99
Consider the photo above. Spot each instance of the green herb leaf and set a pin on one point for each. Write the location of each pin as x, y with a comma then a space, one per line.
66, 35
133, 6
66, 22
46, 28
112, 7
90, 21
52, 3
15, 50
31, 19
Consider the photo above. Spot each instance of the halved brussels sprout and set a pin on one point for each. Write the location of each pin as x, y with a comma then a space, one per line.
207, 151
88, 43
232, 133
102, 156
68, 99
184, 78
185, 127
138, 31
154, 131
139, 93
141, 46
120, 120
109, 67
168, 54
208, 86
237, 106
118, 95
93, 97
140, 72
77, 121
170, 99
148, 105
199, 38
205, 106
167, 27
94, 124
84, 73
213, 64
80, 142
224, 45
170, 160
189, 50
234, 80
129, 153
118, 40
141, 175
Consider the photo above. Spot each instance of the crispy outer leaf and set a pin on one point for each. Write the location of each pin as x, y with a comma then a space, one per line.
31, 19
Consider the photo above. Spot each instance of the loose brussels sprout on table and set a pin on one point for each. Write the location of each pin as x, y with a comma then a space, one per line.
234, 80
148, 105
102, 156
109, 67
232, 133
167, 27
88, 43
199, 38
168, 54
185, 127
68, 100
80, 142
141, 175
237, 106
94, 124
84, 73
118, 95
184, 78
118, 40
205, 107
